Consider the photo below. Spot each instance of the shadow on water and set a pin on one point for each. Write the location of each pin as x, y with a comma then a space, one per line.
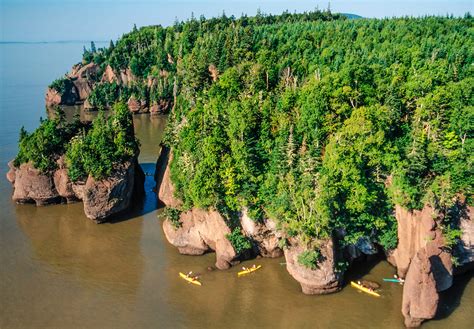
450, 299
160, 168
144, 204
362, 267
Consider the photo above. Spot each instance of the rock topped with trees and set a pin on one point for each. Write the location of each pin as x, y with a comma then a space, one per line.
69, 161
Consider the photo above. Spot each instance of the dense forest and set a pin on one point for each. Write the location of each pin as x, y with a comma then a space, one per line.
94, 149
321, 122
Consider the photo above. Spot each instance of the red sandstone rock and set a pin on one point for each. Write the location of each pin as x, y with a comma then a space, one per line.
200, 232
53, 97
110, 76
30, 185
103, 198
136, 106
11, 174
84, 88
324, 279
420, 298
62, 182
263, 234
160, 107
127, 77
415, 230
164, 185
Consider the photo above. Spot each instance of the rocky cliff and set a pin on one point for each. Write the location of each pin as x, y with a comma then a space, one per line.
324, 279
421, 257
205, 230
78, 85
424, 260
101, 198
83, 79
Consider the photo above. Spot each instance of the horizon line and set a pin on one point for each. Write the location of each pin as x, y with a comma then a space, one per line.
53, 41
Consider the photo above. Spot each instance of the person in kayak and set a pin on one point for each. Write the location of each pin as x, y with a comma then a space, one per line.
371, 286
400, 280
191, 276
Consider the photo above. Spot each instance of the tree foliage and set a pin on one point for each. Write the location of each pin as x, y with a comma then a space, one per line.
321, 122
110, 142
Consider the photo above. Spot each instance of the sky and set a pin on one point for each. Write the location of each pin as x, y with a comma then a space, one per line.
61, 20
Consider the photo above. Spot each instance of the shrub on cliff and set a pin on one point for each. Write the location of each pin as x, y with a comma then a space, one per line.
239, 241
173, 215
108, 143
104, 95
44, 146
61, 85
309, 258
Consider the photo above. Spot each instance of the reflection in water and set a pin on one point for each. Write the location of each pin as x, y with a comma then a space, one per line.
149, 130
105, 256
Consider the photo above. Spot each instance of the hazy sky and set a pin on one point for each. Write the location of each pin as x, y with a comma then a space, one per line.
52, 20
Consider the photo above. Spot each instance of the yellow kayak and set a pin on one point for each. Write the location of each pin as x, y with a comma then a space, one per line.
249, 270
190, 280
364, 289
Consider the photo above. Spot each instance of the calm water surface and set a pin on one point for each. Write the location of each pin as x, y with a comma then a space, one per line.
60, 270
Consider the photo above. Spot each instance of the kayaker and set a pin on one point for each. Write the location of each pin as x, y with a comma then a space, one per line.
400, 280
370, 284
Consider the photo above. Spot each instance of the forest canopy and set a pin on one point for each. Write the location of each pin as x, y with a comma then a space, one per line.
321, 122
90, 149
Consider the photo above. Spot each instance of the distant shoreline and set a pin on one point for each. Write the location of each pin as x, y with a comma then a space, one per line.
56, 42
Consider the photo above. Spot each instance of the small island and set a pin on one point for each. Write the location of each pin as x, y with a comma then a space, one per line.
314, 136
95, 163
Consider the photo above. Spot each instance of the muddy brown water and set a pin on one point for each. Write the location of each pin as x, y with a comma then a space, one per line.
60, 270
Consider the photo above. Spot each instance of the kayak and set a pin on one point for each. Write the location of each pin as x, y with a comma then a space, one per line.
393, 280
364, 289
190, 280
249, 270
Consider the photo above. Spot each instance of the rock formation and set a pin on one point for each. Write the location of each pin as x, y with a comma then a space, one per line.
430, 272
322, 280
415, 229
82, 79
102, 198
137, 106
105, 197
110, 76
202, 231
264, 235
205, 230
30, 185
78, 86
165, 187
422, 258
63, 184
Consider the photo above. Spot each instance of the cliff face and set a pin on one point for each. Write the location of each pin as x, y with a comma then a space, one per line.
83, 79
203, 231
78, 86
324, 279
101, 198
421, 256
425, 262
